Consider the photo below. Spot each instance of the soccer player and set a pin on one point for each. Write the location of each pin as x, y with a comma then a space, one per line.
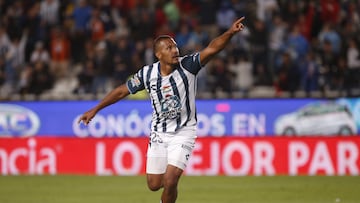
171, 84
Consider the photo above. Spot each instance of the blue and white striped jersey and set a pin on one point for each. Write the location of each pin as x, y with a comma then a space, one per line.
172, 96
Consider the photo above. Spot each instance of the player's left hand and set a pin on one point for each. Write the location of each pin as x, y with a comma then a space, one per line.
237, 26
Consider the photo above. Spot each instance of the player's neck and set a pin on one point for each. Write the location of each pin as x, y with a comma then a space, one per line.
166, 69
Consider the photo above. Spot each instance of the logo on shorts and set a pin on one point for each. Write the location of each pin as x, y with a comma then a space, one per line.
186, 147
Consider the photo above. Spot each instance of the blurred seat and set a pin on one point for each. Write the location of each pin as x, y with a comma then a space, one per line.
262, 92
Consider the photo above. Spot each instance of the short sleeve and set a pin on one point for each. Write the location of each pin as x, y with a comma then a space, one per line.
136, 82
192, 63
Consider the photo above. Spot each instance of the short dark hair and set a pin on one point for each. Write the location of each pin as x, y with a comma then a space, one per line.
159, 39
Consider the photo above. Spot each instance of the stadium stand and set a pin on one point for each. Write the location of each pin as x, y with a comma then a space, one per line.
80, 49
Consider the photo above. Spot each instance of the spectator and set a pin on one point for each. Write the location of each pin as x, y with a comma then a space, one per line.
124, 50
165, 30
353, 55
305, 25
206, 12
96, 26
14, 19
198, 39
277, 35
222, 77
137, 57
2, 71
206, 17
289, 11
121, 71
310, 73
353, 63
15, 59
144, 26
288, 76
259, 45
40, 54
25, 79
111, 41
329, 34
36, 31
86, 78
329, 62
353, 15
149, 56
203, 81
49, 12
183, 38
4, 42
16, 52
225, 16
160, 16
102, 69
330, 11
296, 44
188, 7
266, 9
81, 15
105, 10
340, 79
60, 53
242, 68
262, 78
172, 12
90, 51
347, 33
41, 79
243, 7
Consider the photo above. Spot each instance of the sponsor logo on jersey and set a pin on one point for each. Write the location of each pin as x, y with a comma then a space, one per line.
166, 89
170, 107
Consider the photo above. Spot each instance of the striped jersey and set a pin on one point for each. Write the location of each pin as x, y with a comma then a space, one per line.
172, 96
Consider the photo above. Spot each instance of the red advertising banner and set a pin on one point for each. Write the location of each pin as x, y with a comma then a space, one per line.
212, 156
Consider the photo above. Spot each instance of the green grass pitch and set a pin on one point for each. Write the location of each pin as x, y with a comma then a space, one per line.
192, 189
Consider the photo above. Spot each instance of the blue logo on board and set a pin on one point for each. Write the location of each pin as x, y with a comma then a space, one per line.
17, 121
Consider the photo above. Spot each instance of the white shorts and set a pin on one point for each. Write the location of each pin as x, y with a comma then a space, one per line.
169, 149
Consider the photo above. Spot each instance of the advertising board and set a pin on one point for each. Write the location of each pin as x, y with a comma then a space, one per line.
231, 156
216, 118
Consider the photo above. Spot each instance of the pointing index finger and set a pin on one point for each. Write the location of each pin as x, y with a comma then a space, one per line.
240, 19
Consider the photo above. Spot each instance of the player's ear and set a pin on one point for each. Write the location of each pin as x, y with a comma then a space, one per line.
158, 55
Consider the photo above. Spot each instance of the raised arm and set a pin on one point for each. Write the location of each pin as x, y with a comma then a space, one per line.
219, 43
115, 95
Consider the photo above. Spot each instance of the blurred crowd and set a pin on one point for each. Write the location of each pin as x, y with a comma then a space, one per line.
287, 46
